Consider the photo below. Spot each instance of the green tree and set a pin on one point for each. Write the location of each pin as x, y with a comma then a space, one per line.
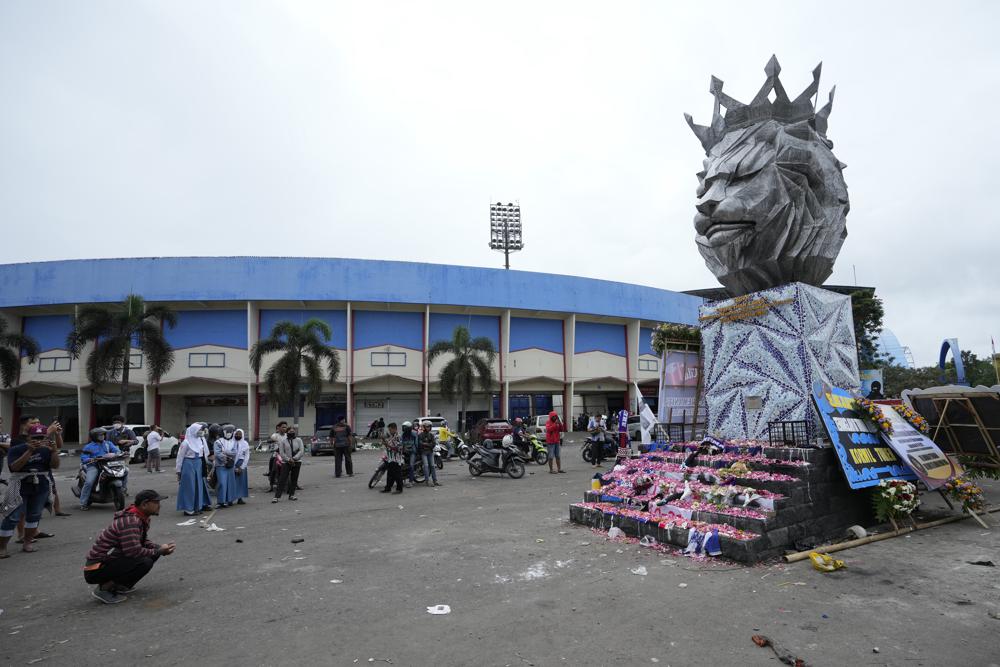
868, 313
303, 349
897, 378
472, 360
11, 347
115, 330
977, 371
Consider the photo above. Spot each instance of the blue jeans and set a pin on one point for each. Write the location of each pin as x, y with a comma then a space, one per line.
88, 484
429, 470
31, 507
413, 465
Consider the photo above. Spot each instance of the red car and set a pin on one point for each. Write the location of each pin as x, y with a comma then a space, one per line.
493, 428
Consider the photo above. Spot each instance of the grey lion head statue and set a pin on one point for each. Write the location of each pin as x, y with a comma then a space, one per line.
772, 201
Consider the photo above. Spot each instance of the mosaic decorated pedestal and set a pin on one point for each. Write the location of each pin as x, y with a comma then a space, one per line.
763, 352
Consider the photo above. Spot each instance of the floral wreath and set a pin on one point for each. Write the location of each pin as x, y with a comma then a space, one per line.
895, 498
965, 492
874, 412
916, 421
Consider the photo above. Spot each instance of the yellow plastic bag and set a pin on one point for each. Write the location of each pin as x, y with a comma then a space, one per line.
825, 562
595, 485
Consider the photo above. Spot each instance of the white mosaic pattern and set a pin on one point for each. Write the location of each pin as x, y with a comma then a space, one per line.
776, 356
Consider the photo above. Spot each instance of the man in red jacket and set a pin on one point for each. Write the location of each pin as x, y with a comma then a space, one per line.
122, 554
553, 434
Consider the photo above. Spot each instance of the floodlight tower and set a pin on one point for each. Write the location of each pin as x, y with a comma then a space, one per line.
505, 229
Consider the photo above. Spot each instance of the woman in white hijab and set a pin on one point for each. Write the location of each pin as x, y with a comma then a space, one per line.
192, 491
242, 461
225, 466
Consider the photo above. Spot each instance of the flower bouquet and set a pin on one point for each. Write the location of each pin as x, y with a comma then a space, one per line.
894, 499
873, 412
916, 421
965, 492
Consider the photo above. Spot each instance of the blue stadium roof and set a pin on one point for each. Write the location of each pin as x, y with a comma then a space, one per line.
316, 279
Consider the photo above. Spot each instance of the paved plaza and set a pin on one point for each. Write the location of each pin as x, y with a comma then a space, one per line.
525, 587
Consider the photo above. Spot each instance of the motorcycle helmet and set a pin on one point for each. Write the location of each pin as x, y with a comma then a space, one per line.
407, 425
518, 421
228, 430
425, 424
214, 432
97, 432
508, 440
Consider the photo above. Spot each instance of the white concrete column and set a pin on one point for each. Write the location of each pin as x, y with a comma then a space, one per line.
149, 403
505, 364
84, 396
632, 363
252, 426
569, 379
253, 335
426, 398
350, 366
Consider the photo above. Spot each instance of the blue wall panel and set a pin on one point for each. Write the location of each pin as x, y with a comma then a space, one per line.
595, 337
373, 328
227, 328
49, 330
316, 279
443, 325
527, 333
336, 319
646, 341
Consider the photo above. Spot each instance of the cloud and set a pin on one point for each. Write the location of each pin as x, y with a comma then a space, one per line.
385, 129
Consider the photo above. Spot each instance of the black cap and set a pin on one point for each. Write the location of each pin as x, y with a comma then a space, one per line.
147, 495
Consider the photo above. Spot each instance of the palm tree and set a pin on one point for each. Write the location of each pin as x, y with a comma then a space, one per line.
11, 347
473, 360
303, 349
115, 330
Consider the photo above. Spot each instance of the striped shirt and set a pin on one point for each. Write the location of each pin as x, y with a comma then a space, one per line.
126, 536
393, 450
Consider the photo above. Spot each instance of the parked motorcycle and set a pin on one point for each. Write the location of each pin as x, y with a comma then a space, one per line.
502, 458
383, 466
440, 455
609, 445
108, 486
463, 449
533, 449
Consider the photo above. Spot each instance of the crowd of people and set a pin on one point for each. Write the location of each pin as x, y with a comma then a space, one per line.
209, 459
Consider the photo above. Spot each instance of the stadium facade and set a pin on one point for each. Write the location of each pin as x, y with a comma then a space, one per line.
563, 342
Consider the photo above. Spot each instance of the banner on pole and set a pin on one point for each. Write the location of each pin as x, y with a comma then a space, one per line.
647, 420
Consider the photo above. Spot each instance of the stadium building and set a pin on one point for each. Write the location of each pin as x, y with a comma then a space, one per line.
564, 343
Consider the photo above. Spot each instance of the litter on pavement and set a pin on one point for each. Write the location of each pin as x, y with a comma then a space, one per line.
439, 609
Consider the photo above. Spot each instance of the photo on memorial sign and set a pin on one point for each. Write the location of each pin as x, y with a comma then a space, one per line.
863, 456
871, 383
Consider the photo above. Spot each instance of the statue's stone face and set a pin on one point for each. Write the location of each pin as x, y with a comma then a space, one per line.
772, 204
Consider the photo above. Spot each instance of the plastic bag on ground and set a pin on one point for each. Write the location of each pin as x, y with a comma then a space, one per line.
647, 541
615, 532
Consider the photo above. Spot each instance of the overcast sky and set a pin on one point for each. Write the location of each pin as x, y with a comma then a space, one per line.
383, 130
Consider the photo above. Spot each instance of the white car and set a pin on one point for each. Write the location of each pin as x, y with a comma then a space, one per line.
437, 423
137, 452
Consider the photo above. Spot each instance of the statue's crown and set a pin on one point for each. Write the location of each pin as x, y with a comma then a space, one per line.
770, 103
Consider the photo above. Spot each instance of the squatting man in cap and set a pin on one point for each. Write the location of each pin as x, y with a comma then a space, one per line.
122, 554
